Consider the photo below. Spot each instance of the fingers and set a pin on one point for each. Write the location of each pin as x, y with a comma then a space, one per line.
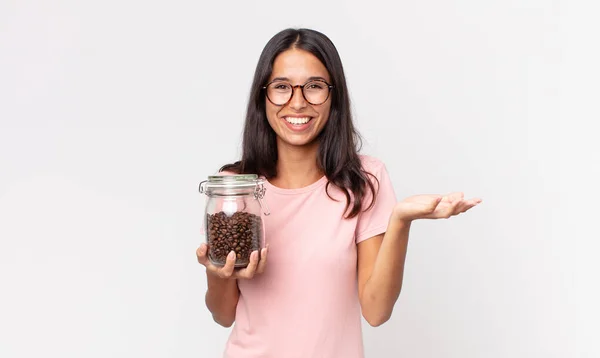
201, 254
222, 272
227, 270
263, 260
434, 203
465, 205
460, 207
454, 204
249, 271
257, 264
456, 196
203, 259
447, 206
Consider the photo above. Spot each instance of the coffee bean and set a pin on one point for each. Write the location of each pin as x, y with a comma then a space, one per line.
240, 232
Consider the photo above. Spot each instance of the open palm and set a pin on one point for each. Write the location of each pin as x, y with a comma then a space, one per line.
428, 206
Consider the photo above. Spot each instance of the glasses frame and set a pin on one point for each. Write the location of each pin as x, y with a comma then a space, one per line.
329, 88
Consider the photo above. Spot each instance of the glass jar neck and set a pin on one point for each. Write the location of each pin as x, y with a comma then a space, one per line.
236, 185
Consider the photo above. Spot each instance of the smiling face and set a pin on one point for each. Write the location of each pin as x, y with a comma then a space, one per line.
298, 123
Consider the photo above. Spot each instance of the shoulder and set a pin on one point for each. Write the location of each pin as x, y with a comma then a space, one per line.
372, 164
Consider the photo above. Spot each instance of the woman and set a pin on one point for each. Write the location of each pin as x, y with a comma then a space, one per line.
337, 237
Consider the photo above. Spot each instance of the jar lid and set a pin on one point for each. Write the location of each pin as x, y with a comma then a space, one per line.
230, 181
234, 185
232, 178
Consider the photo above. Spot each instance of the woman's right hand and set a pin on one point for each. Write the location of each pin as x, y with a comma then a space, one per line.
229, 271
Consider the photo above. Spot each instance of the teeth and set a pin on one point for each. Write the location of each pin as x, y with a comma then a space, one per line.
294, 120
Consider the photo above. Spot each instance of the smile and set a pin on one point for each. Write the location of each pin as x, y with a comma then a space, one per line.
297, 120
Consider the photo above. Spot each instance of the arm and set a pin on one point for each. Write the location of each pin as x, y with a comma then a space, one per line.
381, 258
221, 298
381, 271
222, 292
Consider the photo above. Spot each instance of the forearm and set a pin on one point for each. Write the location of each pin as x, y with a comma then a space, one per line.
382, 289
221, 299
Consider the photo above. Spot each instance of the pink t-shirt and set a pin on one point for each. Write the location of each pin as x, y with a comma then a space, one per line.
305, 304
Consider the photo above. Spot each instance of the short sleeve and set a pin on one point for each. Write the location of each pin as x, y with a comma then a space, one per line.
375, 221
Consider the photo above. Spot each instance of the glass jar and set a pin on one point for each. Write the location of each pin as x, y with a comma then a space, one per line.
233, 217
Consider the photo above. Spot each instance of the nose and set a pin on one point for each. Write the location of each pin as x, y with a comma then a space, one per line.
297, 102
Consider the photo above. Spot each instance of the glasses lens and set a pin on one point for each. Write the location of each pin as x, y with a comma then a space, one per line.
279, 92
316, 92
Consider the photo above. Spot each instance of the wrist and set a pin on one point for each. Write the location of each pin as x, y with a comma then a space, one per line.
216, 279
399, 220
399, 224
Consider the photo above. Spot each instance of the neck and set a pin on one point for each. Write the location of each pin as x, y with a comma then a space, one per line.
296, 166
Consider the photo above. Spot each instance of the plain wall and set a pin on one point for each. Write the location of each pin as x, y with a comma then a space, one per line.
112, 112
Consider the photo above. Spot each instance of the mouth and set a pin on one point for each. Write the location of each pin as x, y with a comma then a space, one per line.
298, 121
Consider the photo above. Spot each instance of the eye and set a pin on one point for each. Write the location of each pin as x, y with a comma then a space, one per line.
280, 86
315, 86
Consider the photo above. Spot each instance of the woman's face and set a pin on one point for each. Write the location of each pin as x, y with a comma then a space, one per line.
298, 122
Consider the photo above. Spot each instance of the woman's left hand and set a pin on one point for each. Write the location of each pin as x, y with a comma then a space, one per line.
432, 206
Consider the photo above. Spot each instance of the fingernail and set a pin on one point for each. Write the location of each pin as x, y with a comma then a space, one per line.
231, 255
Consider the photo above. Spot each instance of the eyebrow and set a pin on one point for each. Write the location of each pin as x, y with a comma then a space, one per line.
312, 78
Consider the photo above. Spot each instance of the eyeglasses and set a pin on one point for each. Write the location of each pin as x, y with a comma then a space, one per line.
314, 92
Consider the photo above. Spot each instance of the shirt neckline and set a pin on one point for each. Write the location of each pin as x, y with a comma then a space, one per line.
305, 189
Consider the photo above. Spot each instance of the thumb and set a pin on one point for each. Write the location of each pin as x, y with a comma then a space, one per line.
201, 254
434, 203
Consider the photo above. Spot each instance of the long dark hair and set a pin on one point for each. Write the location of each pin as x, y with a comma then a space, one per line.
339, 141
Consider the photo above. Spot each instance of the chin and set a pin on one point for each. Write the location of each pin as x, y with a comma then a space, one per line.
300, 142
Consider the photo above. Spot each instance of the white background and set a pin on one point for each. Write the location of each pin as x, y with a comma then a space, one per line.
111, 112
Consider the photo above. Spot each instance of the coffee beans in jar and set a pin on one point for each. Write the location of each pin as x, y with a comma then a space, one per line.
240, 233
233, 217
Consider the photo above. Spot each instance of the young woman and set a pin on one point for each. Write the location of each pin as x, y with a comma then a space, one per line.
337, 237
